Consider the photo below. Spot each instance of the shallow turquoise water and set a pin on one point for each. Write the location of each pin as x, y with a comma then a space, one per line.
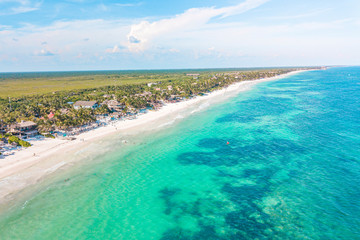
290, 171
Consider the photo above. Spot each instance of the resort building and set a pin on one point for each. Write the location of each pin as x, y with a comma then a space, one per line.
85, 104
144, 94
24, 129
114, 105
64, 111
116, 115
175, 97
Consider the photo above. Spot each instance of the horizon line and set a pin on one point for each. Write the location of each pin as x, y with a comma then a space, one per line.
164, 69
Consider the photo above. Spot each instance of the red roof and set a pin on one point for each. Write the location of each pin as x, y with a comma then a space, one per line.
51, 115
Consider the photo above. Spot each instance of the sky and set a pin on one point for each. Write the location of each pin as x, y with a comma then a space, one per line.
46, 35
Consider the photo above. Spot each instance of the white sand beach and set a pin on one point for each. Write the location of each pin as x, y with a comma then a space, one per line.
28, 166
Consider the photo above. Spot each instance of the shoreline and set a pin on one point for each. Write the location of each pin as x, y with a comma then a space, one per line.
16, 171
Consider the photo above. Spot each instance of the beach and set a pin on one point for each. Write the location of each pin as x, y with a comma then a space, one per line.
30, 166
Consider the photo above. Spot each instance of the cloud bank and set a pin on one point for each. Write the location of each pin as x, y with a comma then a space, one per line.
143, 33
198, 37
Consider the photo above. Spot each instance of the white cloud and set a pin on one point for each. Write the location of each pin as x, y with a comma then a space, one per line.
298, 16
3, 27
115, 49
23, 9
174, 50
141, 34
129, 4
65, 39
241, 8
44, 52
21, 6
182, 40
103, 7
23, 2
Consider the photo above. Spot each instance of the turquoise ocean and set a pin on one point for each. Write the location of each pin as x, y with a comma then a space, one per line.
280, 161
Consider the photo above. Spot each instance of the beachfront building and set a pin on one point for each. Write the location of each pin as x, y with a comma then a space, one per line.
115, 115
85, 104
175, 98
144, 94
114, 105
24, 129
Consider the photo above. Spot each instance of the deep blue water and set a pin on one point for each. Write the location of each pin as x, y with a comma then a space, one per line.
291, 170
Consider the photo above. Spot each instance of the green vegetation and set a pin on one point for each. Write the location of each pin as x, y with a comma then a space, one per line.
33, 99
19, 87
48, 135
13, 139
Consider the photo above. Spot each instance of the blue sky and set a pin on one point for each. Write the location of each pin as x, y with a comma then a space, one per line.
41, 35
